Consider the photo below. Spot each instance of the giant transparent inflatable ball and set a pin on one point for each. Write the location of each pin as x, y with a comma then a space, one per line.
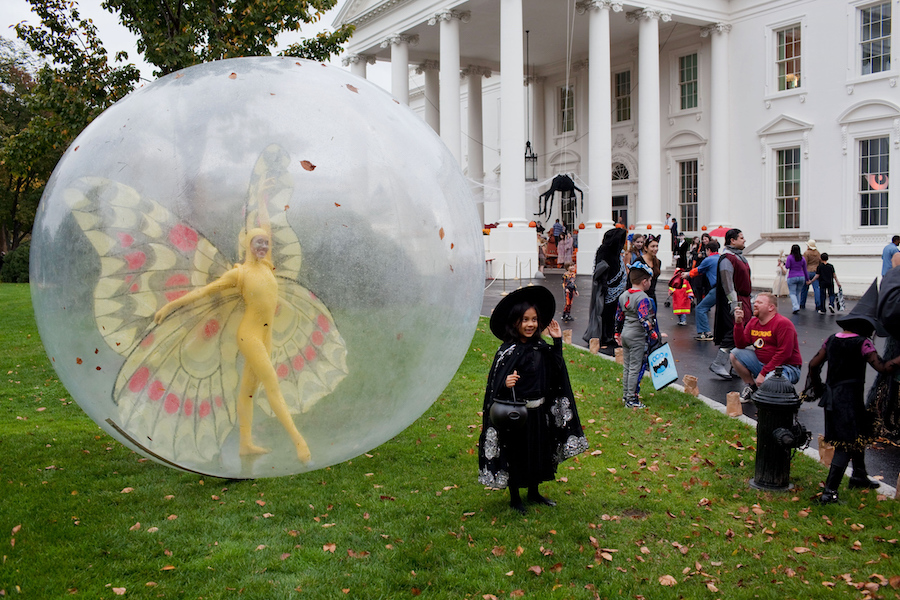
256, 267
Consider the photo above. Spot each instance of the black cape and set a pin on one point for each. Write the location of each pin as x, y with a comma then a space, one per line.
552, 432
599, 284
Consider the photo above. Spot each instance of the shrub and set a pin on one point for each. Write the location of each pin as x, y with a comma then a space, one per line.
15, 265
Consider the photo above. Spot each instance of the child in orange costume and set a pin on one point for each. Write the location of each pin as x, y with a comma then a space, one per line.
682, 296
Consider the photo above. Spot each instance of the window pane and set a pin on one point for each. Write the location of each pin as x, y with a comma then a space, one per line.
566, 109
787, 189
788, 61
874, 183
688, 195
875, 38
623, 96
687, 78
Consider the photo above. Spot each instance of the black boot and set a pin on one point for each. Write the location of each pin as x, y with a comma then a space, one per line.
535, 496
860, 477
832, 483
515, 500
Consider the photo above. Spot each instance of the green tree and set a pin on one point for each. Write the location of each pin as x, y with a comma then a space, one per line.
174, 34
44, 109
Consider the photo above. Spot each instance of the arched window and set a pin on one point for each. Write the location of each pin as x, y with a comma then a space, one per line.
619, 172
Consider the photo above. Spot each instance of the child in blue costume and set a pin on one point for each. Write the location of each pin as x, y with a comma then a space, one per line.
636, 331
528, 369
849, 426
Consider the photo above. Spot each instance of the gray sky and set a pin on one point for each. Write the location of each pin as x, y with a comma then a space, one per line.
116, 38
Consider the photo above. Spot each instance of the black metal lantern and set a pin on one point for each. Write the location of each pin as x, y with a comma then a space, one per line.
530, 163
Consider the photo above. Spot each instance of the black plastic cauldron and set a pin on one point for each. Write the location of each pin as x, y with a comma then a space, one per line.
508, 415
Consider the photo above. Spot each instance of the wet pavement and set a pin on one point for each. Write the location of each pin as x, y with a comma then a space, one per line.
693, 357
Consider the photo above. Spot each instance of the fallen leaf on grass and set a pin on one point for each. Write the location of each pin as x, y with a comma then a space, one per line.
329, 548
119, 591
517, 593
168, 568
536, 570
127, 490
152, 529
667, 580
260, 547
135, 527
489, 597
800, 549
261, 502
285, 556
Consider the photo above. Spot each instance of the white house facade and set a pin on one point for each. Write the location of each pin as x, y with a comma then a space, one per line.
780, 117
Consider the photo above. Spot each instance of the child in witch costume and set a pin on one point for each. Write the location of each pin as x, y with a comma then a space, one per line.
849, 426
528, 369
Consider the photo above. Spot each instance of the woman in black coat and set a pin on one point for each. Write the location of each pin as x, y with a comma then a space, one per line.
609, 281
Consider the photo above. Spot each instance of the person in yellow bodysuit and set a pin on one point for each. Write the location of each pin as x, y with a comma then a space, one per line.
255, 281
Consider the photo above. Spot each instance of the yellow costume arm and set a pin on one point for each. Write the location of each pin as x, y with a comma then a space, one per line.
227, 282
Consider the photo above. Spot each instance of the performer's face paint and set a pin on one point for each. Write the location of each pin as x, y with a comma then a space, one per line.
260, 246
529, 324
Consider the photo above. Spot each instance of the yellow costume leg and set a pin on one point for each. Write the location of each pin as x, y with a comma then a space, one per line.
249, 384
257, 359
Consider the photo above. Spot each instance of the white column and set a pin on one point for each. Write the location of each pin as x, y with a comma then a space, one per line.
475, 120
450, 115
599, 201
512, 114
719, 165
400, 64
649, 200
432, 94
512, 245
357, 63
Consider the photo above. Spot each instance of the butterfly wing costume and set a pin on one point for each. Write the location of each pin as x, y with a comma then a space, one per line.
177, 390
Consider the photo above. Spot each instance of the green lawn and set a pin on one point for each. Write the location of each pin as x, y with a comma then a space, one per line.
658, 508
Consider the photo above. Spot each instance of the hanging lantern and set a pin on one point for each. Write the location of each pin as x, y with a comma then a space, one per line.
530, 163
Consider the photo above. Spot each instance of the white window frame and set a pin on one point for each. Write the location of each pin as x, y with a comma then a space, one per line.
782, 134
858, 178
687, 145
615, 72
675, 109
866, 120
854, 51
772, 29
558, 121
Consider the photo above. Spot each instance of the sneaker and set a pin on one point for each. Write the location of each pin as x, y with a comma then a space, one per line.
634, 404
831, 308
747, 394
682, 323
706, 336
821, 312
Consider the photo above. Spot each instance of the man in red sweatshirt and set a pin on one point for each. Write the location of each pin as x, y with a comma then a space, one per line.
768, 340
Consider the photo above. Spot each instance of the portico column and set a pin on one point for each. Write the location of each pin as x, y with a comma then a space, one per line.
357, 63
432, 94
719, 140
649, 201
450, 115
599, 201
399, 44
475, 120
512, 114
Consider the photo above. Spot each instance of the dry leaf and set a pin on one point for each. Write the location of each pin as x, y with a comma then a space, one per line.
285, 556
352, 89
119, 591
517, 593
800, 549
645, 550
152, 529
232, 76
667, 580
127, 490
329, 548
486, 596
498, 551
260, 547
261, 502
519, 550
135, 527
536, 570
168, 568
172, 517
712, 587
441, 232
16, 529
307, 165
556, 568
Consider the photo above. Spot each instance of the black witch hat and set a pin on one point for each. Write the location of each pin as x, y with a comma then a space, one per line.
535, 295
888, 312
863, 319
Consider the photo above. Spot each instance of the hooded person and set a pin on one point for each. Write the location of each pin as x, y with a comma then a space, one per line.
733, 288
884, 396
609, 280
530, 422
849, 426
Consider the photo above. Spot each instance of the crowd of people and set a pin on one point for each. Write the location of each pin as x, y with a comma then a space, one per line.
754, 343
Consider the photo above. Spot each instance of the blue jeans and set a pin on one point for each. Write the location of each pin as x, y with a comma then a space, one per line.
820, 304
796, 287
701, 313
747, 357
